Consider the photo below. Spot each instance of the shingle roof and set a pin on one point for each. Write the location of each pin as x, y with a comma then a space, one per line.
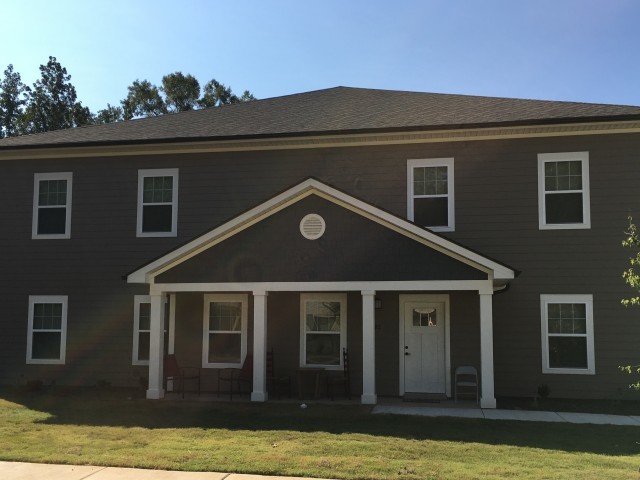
330, 111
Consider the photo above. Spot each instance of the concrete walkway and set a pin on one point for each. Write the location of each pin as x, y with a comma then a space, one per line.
518, 415
39, 471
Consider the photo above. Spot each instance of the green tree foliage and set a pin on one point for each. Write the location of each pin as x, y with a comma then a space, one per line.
143, 100
632, 278
52, 103
110, 114
216, 94
12, 102
181, 92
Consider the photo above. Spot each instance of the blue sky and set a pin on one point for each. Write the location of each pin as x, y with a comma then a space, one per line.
578, 50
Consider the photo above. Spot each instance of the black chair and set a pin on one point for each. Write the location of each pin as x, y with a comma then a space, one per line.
343, 380
237, 376
172, 370
275, 383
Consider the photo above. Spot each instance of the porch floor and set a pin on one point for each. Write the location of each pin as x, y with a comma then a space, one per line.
399, 402
444, 408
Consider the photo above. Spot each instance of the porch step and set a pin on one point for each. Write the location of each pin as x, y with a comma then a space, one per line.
424, 397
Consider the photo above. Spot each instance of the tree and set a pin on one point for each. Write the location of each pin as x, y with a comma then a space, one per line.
632, 278
12, 102
110, 114
247, 96
215, 94
181, 92
143, 100
52, 103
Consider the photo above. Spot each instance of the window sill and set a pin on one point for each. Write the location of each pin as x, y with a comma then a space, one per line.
569, 371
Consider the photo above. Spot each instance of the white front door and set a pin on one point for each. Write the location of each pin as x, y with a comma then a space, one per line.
424, 347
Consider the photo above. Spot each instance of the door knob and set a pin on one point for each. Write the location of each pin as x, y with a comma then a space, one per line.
407, 353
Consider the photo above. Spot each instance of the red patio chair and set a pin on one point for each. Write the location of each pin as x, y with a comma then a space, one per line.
237, 376
171, 369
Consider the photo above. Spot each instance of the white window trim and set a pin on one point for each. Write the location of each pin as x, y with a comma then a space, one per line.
223, 297
433, 162
324, 297
586, 200
571, 298
33, 299
37, 177
161, 172
137, 300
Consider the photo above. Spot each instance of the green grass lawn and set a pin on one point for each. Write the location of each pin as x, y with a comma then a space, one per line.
332, 441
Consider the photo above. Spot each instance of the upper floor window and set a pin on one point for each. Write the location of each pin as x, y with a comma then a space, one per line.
47, 334
323, 329
567, 334
157, 203
51, 205
563, 190
430, 196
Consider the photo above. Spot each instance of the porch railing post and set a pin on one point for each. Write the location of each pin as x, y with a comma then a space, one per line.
259, 393
156, 345
487, 395
368, 349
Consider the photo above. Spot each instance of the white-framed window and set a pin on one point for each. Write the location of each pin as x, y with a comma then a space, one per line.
224, 330
142, 329
157, 203
323, 329
430, 193
563, 190
567, 334
47, 331
51, 205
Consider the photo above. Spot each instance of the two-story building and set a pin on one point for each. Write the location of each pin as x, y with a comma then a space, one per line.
418, 231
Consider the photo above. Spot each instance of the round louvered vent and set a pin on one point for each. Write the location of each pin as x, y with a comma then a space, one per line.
312, 226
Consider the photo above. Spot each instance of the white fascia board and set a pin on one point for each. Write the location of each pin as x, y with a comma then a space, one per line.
147, 273
499, 271
481, 286
273, 205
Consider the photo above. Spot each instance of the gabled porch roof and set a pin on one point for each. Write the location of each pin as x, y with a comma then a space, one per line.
239, 227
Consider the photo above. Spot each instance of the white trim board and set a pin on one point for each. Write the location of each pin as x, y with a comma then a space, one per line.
324, 141
147, 273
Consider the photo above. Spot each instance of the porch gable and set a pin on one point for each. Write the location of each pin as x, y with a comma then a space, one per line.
360, 242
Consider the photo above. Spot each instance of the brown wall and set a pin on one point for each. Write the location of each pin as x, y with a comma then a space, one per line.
496, 214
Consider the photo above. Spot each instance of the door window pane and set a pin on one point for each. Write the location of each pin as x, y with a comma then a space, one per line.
424, 317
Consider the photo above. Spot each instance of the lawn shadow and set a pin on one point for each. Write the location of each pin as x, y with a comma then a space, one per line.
119, 408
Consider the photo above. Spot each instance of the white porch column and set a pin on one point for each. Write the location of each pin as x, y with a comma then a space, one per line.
368, 348
259, 393
156, 346
487, 396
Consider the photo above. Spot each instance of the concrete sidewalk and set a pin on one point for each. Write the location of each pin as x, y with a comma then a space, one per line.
40, 471
518, 415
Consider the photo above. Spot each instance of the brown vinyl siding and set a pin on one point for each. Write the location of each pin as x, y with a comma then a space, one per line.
496, 204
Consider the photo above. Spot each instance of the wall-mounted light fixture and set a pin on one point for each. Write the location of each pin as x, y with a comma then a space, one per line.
378, 303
